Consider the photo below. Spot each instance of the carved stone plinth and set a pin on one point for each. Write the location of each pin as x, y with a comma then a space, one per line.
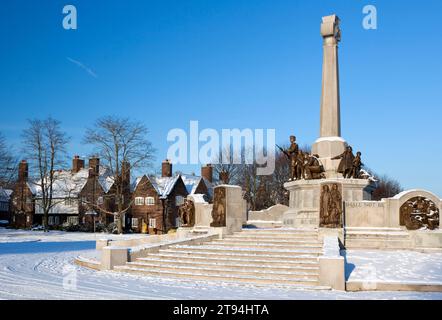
229, 208
327, 148
305, 199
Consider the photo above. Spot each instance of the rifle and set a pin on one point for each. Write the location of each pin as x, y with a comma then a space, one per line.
285, 152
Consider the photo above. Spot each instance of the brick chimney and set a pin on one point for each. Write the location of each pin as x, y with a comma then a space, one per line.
77, 164
166, 168
207, 172
94, 166
23, 171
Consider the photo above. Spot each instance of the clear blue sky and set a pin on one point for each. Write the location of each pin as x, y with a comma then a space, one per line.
231, 64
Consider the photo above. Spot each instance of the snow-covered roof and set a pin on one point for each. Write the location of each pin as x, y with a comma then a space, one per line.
68, 184
191, 182
162, 185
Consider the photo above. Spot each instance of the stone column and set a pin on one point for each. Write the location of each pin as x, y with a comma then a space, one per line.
330, 142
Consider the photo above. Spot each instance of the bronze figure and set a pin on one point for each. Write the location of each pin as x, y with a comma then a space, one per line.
419, 213
219, 207
330, 211
292, 153
346, 164
313, 168
356, 166
187, 213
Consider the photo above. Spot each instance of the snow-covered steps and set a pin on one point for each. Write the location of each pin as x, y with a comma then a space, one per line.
234, 258
233, 277
370, 238
286, 257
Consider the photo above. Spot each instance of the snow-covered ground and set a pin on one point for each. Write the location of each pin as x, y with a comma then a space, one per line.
37, 265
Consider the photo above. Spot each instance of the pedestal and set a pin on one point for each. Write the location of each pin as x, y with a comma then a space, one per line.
304, 201
327, 148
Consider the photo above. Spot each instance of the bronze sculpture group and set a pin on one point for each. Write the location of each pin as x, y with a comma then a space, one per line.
187, 213
330, 210
302, 164
419, 213
308, 166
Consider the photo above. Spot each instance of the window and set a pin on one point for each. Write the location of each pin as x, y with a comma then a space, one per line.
152, 223
57, 220
72, 220
51, 220
134, 222
179, 200
150, 201
84, 200
100, 201
139, 201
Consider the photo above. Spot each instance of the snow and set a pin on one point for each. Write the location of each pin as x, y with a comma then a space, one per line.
37, 270
393, 266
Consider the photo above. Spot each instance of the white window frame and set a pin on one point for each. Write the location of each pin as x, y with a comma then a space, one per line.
134, 223
152, 223
72, 220
100, 200
150, 201
139, 201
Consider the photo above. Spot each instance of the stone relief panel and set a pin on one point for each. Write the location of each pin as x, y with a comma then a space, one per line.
330, 206
419, 213
219, 208
187, 213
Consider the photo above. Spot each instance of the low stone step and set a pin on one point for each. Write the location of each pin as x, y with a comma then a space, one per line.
277, 234
363, 236
219, 277
235, 258
373, 244
312, 268
242, 254
273, 237
258, 245
257, 251
276, 274
293, 242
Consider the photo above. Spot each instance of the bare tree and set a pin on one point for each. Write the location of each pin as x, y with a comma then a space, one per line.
45, 146
123, 145
386, 187
8, 163
233, 170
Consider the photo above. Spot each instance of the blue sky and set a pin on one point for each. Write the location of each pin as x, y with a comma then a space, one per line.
231, 64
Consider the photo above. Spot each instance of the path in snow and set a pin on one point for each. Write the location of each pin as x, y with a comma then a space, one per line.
34, 270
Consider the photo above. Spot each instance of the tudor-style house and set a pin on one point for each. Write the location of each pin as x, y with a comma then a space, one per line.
155, 199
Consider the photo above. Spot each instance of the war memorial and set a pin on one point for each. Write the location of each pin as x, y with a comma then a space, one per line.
330, 209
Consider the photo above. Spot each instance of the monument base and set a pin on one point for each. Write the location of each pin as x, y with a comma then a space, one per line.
327, 148
304, 200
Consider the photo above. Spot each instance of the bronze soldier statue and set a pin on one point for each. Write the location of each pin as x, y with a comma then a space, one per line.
356, 167
292, 154
346, 165
313, 168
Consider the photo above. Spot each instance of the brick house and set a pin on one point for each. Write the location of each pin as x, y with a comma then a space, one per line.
155, 199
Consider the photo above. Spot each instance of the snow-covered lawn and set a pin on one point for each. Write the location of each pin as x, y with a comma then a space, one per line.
35, 270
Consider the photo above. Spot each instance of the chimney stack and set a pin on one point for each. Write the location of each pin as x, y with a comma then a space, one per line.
166, 168
23, 171
77, 164
224, 177
125, 172
207, 172
94, 166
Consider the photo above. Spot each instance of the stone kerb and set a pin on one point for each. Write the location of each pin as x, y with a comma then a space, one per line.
332, 265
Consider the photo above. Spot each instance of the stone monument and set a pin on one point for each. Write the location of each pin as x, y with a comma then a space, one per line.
316, 200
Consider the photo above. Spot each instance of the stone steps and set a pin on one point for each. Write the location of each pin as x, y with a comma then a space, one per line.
235, 258
306, 284
253, 271
285, 257
265, 251
371, 238
305, 266
256, 244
